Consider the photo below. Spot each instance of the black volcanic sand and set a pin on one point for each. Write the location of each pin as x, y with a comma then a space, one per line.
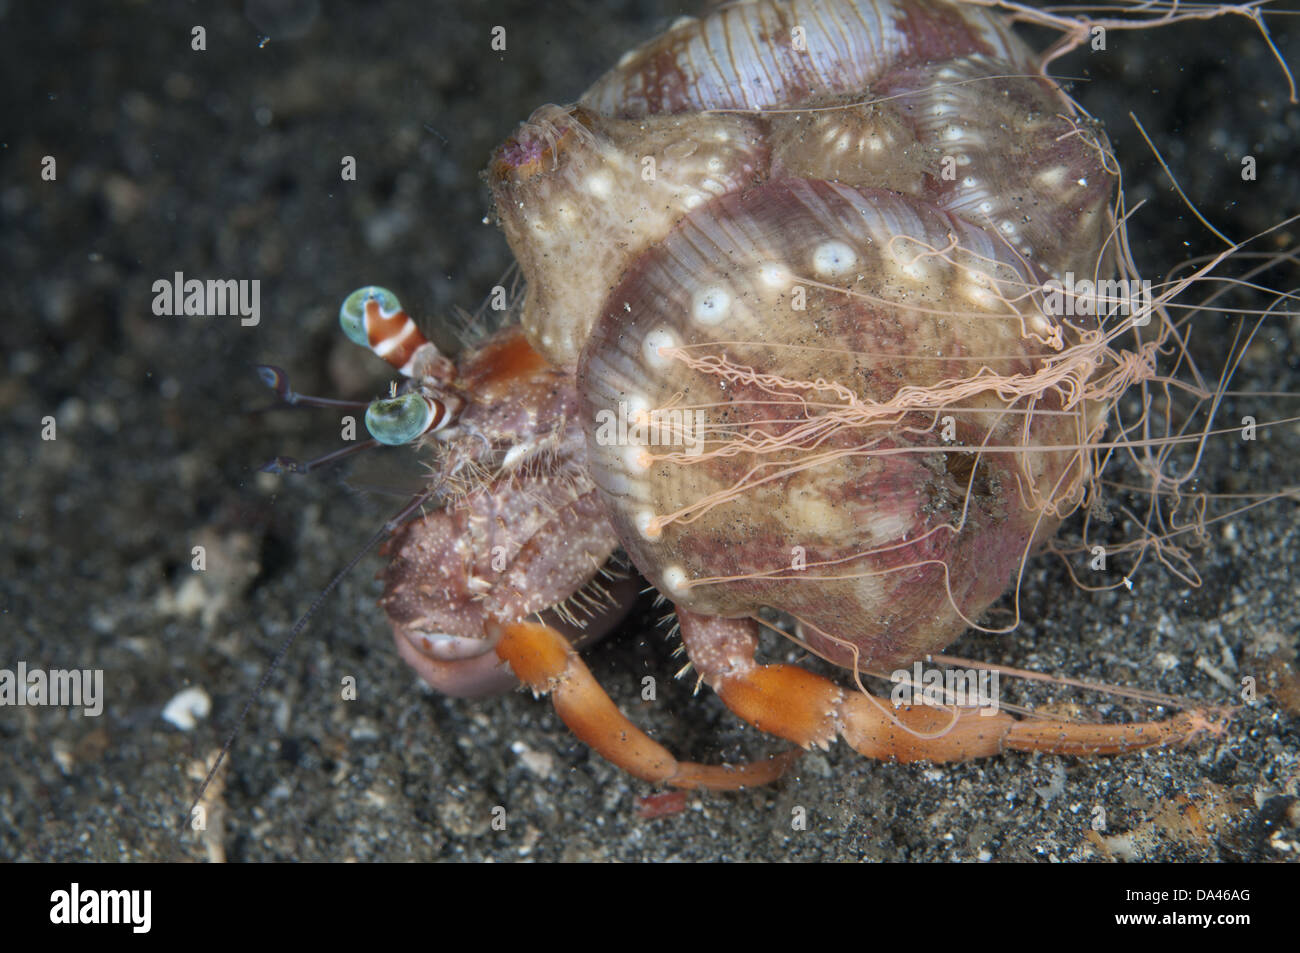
225, 163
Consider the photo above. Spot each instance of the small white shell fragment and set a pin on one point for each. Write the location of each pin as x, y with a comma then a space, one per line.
1166, 661
63, 757
187, 707
539, 763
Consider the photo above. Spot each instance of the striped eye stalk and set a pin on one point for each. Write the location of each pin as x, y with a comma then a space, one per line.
403, 419
374, 318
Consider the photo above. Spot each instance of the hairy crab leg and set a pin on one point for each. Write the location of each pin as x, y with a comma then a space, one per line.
545, 661
787, 701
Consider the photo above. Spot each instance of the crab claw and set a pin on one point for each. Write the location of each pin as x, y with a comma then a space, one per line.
476, 672
446, 594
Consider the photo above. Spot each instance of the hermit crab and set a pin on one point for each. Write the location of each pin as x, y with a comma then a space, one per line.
820, 326
827, 317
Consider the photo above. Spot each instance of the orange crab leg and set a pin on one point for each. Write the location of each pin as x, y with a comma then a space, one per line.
807, 709
544, 660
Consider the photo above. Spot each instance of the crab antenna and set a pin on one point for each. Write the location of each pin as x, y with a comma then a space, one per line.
416, 502
290, 465
276, 379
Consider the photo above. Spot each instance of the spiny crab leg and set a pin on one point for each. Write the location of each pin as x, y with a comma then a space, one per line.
794, 704
545, 661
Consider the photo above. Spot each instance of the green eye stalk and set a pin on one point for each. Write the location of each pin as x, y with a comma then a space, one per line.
394, 421
374, 318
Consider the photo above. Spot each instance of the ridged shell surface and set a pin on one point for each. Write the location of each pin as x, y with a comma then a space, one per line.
937, 101
796, 254
757, 427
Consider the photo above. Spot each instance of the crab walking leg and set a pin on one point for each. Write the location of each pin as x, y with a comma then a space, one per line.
807, 709
543, 659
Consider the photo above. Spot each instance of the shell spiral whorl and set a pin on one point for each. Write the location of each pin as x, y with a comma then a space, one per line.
794, 253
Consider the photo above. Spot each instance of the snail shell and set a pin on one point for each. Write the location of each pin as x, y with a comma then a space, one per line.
932, 99
793, 252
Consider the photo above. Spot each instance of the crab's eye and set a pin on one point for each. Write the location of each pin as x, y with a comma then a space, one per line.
398, 420
373, 317
352, 315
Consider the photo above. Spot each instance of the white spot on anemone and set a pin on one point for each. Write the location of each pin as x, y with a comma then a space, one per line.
637, 458
647, 525
1052, 178
833, 258
675, 578
774, 275
1040, 325
711, 305
656, 339
914, 267
638, 409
